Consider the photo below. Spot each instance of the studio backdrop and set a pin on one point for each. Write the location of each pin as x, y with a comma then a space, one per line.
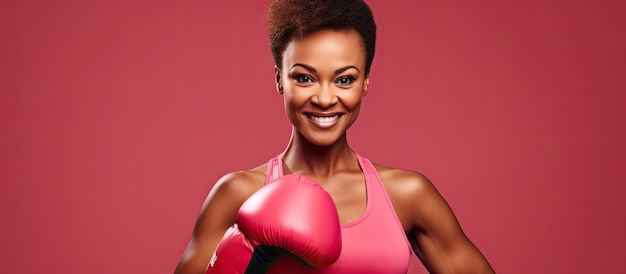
117, 117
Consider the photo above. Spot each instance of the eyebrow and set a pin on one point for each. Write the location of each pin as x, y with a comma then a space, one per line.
310, 68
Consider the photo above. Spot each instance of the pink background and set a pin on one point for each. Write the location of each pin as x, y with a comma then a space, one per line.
118, 116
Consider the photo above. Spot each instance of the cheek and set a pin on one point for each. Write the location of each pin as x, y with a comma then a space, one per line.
352, 101
297, 94
293, 101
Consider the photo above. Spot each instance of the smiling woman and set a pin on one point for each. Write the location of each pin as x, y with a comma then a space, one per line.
118, 116
322, 84
323, 51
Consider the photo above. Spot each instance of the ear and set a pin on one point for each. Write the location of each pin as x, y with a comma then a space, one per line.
279, 86
366, 85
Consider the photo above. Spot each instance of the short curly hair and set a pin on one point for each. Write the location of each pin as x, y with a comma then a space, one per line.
293, 19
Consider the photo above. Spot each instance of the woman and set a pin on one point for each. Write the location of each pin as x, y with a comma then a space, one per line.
323, 51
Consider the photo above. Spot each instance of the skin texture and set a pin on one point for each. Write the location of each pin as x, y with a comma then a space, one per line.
322, 74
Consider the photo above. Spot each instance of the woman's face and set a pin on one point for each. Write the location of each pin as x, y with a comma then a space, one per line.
322, 80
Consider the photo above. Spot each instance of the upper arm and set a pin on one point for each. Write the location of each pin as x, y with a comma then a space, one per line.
218, 213
437, 237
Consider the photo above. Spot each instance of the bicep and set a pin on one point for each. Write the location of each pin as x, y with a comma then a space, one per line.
434, 218
438, 239
218, 213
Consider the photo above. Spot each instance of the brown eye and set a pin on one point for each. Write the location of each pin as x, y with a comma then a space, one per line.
345, 80
303, 78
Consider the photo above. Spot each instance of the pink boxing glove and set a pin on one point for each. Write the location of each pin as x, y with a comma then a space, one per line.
292, 215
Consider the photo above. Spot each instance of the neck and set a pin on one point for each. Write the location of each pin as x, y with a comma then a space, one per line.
304, 157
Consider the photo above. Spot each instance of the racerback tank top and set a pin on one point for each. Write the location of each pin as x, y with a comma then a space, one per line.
374, 243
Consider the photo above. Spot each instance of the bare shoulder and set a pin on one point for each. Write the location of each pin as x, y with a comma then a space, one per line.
408, 191
404, 183
227, 195
219, 212
239, 184
430, 224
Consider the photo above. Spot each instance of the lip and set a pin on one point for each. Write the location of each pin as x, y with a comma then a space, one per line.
320, 124
323, 114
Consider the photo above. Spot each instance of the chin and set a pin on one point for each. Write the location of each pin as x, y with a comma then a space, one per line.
323, 143
322, 140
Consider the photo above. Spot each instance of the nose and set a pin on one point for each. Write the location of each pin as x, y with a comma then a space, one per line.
325, 97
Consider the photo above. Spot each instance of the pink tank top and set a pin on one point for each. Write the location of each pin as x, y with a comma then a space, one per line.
374, 243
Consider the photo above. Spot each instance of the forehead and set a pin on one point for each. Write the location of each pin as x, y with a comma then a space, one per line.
326, 48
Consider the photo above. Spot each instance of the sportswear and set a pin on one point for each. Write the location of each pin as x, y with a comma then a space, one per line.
374, 243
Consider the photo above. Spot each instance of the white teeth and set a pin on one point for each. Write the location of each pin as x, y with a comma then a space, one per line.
324, 120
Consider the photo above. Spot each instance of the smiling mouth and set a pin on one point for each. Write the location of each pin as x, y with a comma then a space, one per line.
324, 121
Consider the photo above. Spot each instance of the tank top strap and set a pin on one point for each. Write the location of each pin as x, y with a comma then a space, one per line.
379, 198
274, 168
372, 180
